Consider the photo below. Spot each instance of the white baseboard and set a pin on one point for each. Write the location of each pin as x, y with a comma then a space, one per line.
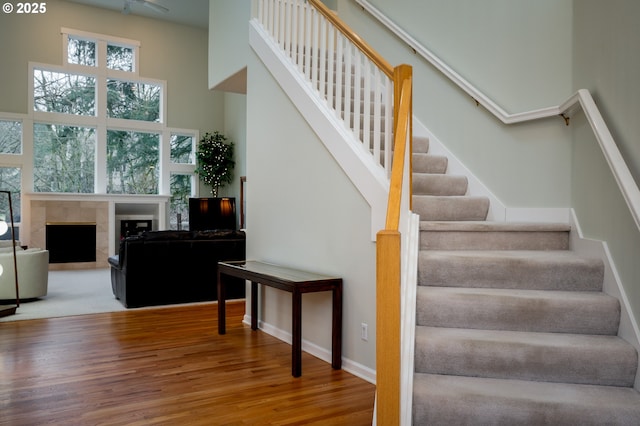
324, 354
612, 285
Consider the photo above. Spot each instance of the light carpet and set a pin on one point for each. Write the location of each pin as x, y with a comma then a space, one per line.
71, 293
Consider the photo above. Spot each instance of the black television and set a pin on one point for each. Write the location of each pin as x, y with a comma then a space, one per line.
212, 213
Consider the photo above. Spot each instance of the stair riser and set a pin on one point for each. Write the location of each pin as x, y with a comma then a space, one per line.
420, 144
493, 240
447, 208
425, 163
439, 184
543, 311
523, 272
597, 360
441, 400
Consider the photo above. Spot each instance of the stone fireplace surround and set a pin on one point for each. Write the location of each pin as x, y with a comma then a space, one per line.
104, 210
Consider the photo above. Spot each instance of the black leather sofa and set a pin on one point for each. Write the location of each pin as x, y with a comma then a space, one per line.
170, 267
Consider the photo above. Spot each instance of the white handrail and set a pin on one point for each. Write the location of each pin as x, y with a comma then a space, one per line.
581, 98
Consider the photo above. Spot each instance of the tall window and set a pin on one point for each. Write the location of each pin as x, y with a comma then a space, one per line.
100, 127
182, 182
132, 162
10, 137
63, 158
10, 176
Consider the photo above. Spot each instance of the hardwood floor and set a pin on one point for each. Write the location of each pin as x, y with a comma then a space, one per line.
167, 366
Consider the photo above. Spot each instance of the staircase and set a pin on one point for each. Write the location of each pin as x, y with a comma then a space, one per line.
512, 326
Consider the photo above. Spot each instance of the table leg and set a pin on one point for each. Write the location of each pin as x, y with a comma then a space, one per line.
254, 305
336, 329
296, 334
221, 306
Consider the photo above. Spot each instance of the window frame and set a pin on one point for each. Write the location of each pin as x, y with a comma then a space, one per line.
101, 122
24, 160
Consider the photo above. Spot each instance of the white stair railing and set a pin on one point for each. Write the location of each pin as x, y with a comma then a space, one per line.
355, 86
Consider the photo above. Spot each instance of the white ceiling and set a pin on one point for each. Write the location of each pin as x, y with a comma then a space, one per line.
188, 12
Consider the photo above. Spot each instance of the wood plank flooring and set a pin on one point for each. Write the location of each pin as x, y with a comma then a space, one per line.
167, 366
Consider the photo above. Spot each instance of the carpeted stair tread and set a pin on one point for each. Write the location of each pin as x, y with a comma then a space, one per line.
484, 226
452, 400
516, 269
481, 235
518, 310
548, 357
429, 163
432, 207
439, 184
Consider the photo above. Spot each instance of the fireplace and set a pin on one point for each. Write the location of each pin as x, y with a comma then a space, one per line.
71, 241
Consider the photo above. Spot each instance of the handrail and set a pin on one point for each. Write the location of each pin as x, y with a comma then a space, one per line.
402, 135
582, 98
365, 48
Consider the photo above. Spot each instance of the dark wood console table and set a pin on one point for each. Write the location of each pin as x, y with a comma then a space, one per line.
295, 282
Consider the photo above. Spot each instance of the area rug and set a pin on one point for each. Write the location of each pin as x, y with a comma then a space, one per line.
71, 293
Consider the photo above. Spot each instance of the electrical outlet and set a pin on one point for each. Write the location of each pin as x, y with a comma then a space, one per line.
364, 331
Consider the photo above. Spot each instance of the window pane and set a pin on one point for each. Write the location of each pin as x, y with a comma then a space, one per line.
119, 58
63, 158
82, 52
10, 178
132, 162
133, 101
65, 93
182, 149
179, 203
10, 137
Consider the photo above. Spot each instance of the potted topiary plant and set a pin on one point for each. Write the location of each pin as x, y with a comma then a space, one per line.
215, 161
215, 168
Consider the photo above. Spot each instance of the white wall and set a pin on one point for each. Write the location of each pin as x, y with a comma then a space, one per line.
304, 212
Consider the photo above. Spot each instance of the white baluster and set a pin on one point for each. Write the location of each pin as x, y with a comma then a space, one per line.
347, 83
331, 69
377, 116
339, 79
322, 53
357, 94
388, 120
366, 110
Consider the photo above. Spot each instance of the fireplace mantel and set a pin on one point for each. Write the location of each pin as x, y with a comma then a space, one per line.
103, 209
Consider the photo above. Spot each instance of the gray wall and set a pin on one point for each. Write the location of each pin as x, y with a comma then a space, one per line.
228, 42
521, 63
607, 63
304, 212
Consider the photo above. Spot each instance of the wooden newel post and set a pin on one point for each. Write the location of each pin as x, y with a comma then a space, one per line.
388, 272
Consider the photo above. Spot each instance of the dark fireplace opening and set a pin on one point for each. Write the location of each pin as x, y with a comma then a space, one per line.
71, 242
